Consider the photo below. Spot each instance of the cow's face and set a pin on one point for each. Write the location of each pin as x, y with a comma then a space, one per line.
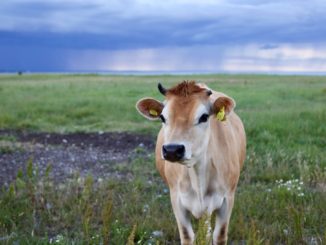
186, 115
185, 126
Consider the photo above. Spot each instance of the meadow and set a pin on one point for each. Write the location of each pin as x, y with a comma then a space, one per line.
280, 198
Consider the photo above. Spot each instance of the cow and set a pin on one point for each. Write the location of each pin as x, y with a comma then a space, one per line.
200, 151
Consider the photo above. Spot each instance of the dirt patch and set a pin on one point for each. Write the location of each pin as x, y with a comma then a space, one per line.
97, 154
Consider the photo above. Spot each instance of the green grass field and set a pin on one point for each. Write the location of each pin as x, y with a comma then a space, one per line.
281, 197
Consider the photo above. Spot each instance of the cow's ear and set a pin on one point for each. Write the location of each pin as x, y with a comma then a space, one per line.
222, 106
150, 108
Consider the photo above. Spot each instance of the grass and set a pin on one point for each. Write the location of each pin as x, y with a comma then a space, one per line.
281, 195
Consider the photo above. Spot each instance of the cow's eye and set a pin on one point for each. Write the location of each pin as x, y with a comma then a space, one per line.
162, 118
203, 118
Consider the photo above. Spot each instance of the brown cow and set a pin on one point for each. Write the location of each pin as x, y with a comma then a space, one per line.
200, 150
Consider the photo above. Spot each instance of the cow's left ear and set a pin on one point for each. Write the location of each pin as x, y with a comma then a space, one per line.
150, 108
222, 106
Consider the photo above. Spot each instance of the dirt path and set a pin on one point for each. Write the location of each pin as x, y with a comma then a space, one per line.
68, 154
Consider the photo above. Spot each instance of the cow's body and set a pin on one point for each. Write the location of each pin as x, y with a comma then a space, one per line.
206, 180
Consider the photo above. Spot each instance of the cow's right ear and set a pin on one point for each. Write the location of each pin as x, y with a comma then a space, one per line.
150, 108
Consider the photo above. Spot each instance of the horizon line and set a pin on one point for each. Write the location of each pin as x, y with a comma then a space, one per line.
162, 72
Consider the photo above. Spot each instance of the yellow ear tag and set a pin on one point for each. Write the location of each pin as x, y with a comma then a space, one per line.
221, 114
152, 112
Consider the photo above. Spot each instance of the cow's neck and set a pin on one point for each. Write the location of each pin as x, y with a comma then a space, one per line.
198, 177
199, 173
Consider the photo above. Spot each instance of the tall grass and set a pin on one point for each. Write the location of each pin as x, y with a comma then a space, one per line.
36, 210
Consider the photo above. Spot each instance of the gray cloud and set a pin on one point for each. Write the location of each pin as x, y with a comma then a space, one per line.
173, 24
269, 46
224, 33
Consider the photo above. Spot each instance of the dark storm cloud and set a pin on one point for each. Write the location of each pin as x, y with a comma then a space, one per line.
144, 25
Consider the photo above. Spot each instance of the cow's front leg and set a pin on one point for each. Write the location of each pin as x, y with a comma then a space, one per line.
220, 234
183, 218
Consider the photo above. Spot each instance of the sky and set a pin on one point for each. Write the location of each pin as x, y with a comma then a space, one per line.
223, 36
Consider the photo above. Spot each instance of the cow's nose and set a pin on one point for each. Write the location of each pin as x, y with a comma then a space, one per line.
173, 152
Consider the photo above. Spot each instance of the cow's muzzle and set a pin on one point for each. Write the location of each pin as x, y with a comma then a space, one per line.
173, 152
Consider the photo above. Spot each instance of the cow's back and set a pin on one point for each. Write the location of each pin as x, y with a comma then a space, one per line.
227, 149
240, 137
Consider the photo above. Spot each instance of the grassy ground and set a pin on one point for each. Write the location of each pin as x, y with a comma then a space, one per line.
280, 199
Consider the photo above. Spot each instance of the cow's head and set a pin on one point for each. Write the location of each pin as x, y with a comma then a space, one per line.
187, 113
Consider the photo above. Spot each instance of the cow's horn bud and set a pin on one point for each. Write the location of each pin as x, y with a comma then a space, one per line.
161, 89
